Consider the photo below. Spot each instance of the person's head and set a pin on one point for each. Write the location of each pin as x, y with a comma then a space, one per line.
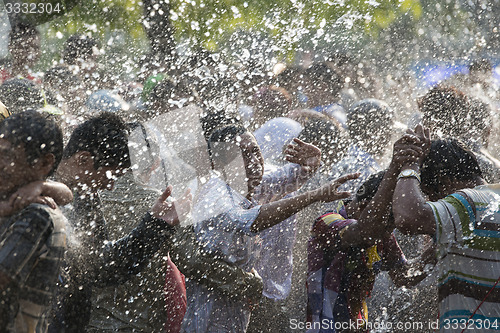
448, 167
235, 153
21, 94
31, 147
322, 84
370, 125
169, 95
97, 152
107, 101
364, 195
291, 79
212, 121
329, 136
61, 80
24, 45
80, 48
445, 111
270, 102
479, 121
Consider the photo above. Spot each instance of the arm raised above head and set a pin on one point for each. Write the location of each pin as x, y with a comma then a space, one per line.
412, 214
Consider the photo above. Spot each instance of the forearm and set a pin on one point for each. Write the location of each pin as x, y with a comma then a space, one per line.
61, 194
411, 213
273, 213
275, 185
129, 255
374, 219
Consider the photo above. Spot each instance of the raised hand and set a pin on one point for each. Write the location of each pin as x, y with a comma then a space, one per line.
329, 192
172, 212
305, 154
411, 148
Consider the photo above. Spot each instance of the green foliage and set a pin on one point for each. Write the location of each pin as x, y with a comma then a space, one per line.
288, 21
207, 22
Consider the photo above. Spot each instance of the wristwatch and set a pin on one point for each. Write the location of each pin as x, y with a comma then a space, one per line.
407, 173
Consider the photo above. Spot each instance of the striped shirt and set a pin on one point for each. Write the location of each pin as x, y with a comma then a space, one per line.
32, 246
468, 239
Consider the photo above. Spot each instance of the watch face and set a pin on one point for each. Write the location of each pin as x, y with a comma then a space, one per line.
407, 172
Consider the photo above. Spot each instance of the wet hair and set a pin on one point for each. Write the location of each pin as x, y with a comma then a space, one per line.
288, 76
105, 137
368, 120
368, 189
225, 134
479, 119
22, 30
212, 121
445, 108
168, 89
61, 78
37, 134
448, 158
480, 65
78, 47
271, 102
326, 73
329, 136
21, 94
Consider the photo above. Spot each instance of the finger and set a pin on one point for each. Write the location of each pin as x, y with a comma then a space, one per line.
419, 129
427, 133
298, 141
166, 193
49, 202
409, 152
341, 180
343, 195
187, 195
13, 198
291, 151
408, 138
410, 131
408, 148
292, 159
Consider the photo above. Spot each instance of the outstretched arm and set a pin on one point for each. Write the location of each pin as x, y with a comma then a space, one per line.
273, 213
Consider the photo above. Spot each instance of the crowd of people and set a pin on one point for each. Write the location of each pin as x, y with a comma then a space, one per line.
91, 239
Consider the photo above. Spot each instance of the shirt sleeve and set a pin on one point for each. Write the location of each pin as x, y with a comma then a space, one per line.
328, 229
451, 214
22, 239
128, 256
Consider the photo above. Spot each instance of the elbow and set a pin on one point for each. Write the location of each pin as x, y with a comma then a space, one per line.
414, 222
403, 225
404, 222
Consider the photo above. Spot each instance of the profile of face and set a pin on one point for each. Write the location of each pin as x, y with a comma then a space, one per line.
253, 160
93, 179
15, 171
240, 162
